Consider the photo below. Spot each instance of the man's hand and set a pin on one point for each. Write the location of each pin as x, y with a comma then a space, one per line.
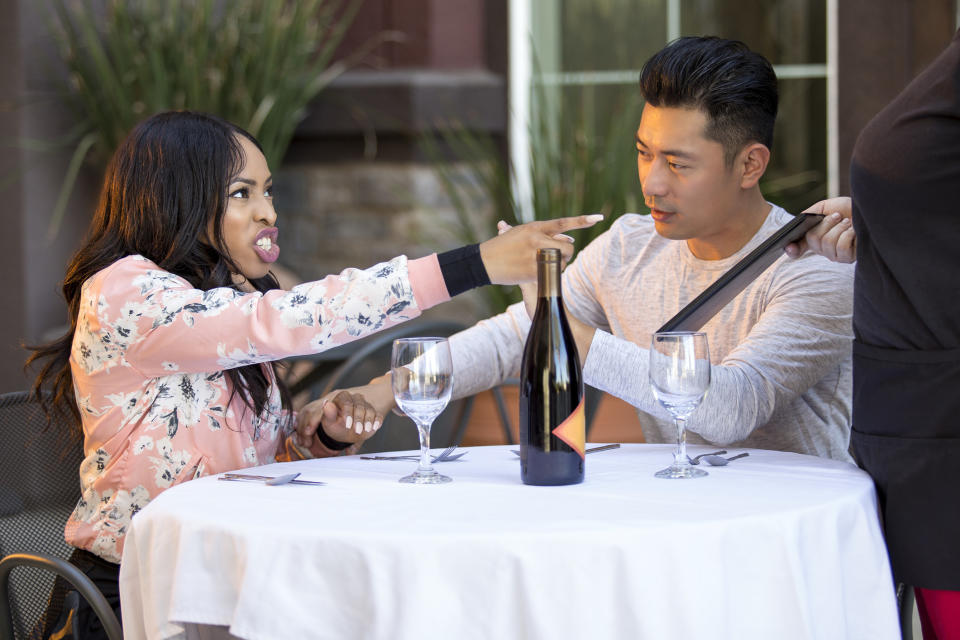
834, 237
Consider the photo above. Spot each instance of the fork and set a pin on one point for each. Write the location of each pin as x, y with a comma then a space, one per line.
605, 447
444, 456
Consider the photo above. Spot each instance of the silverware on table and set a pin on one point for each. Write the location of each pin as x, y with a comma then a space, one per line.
284, 479
446, 455
289, 478
717, 461
604, 447
696, 459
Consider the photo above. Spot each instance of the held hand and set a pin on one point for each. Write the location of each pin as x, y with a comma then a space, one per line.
511, 257
343, 416
379, 392
834, 237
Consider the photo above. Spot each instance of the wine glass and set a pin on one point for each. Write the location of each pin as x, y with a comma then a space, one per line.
680, 375
422, 376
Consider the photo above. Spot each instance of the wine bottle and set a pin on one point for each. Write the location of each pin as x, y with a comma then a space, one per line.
552, 433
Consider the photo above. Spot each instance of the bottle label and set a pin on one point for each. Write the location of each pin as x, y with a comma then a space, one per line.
573, 430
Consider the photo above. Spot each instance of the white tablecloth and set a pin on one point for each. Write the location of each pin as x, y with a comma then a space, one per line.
776, 545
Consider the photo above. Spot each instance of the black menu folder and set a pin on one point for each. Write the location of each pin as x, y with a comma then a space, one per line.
715, 297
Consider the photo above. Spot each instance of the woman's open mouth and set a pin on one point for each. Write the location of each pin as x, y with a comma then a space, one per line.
266, 245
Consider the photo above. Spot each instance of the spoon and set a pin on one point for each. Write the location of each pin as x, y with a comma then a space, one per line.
267, 479
717, 461
696, 459
284, 479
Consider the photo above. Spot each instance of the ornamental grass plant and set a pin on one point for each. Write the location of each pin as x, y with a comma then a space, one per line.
256, 63
581, 162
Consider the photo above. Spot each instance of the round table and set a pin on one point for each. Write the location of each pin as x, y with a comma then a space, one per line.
775, 545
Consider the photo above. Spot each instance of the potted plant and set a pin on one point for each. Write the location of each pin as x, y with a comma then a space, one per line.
257, 63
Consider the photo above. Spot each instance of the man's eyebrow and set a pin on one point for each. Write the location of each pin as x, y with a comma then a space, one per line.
670, 152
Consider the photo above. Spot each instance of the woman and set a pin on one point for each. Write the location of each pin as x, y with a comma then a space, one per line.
175, 320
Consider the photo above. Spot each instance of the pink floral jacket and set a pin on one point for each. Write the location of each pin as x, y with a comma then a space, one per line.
148, 364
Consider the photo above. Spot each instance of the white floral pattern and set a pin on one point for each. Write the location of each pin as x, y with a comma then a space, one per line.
148, 363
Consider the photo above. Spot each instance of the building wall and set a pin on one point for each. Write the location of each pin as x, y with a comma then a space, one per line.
33, 259
358, 185
354, 214
882, 45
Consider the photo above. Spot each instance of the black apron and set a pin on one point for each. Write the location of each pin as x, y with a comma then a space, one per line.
917, 392
905, 182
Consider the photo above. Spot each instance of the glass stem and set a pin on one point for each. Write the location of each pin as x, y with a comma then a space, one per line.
680, 457
424, 431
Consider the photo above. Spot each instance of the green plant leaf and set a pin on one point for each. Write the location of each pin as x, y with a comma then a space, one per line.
257, 63
76, 160
580, 163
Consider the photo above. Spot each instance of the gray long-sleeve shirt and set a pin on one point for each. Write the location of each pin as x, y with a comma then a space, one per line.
780, 350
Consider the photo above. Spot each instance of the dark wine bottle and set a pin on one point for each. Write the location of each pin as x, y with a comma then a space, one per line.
552, 434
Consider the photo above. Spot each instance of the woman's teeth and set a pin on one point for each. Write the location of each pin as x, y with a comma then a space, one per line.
265, 243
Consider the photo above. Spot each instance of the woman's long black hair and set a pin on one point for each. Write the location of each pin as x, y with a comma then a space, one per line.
164, 184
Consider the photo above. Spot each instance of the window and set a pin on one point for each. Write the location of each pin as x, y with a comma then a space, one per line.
584, 58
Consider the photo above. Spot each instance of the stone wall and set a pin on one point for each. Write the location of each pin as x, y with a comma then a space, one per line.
355, 214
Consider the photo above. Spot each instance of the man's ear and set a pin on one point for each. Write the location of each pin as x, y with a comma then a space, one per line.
753, 160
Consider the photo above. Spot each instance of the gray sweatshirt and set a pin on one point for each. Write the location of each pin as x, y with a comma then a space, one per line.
780, 350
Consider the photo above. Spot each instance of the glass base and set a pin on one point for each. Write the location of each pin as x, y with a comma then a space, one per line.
430, 477
680, 471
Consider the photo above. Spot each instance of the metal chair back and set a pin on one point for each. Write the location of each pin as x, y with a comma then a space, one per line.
39, 488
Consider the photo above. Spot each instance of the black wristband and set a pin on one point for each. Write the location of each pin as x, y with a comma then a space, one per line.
463, 269
330, 443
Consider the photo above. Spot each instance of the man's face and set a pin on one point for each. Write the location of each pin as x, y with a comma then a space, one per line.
691, 192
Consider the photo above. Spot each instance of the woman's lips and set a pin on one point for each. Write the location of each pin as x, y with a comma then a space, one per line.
265, 245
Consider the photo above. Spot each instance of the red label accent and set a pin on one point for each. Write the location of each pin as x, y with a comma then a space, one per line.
573, 430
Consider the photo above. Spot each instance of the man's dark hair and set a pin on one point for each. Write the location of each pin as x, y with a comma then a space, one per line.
734, 86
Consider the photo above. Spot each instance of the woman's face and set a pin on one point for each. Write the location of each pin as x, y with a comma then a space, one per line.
248, 223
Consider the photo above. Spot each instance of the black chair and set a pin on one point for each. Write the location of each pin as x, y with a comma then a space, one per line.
371, 359
39, 488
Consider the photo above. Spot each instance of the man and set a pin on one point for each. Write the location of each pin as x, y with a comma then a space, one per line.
781, 350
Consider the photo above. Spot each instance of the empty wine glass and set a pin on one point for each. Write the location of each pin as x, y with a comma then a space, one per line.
422, 375
680, 376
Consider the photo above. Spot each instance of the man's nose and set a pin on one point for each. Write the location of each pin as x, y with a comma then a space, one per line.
653, 180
